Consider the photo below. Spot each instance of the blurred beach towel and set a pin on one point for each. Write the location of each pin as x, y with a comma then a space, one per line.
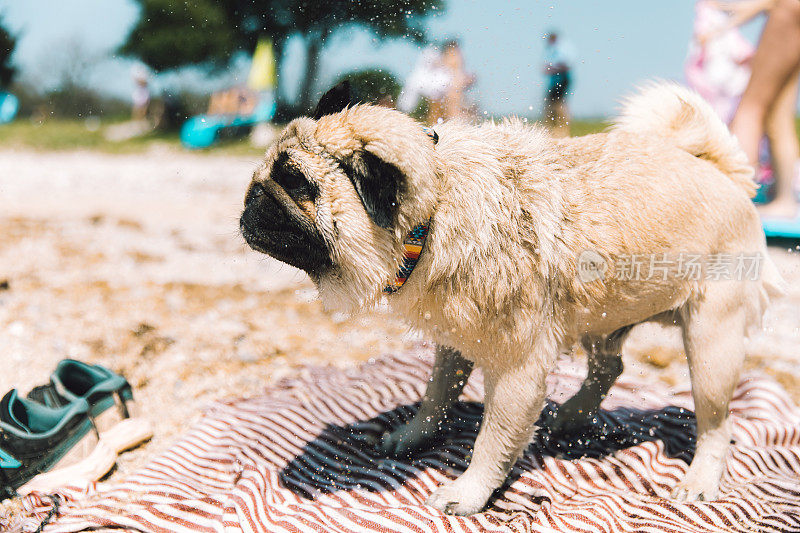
297, 458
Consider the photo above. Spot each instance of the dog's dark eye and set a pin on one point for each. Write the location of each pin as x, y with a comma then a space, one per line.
295, 185
293, 181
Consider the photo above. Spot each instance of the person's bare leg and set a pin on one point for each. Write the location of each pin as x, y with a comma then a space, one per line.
435, 112
549, 114
784, 150
776, 59
453, 103
556, 117
563, 119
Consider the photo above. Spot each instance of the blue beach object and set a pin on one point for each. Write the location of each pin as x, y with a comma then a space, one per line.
203, 130
763, 193
9, 105
787, 228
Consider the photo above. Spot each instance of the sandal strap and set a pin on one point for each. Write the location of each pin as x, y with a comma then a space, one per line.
47, 395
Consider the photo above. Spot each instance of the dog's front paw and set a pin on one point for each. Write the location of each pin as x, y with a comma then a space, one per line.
690, 490
701, 482
459, 498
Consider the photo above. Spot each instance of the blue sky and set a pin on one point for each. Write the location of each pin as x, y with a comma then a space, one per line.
619, 44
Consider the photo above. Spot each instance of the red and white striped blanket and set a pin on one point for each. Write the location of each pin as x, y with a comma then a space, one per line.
296, 459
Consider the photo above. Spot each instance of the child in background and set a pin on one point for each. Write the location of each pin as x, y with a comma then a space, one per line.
717, 64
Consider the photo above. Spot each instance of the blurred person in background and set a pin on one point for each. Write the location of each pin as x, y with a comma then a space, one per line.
769, 103
236, 101
455, 102
440, 78
428, 81
141, 93
717, 65
559, 56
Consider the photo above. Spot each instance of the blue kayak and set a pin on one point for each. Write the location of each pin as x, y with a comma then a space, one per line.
203, 130
775, 227
9, 105
786, 228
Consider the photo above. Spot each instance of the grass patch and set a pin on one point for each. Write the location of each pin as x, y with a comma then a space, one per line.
65, 134
578, 128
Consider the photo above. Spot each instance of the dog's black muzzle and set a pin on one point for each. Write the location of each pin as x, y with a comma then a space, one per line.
272, 223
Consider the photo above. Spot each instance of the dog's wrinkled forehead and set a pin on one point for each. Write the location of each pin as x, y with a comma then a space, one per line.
297, 148
316, 146
298, 133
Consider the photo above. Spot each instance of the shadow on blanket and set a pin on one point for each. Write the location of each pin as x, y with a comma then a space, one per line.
343, 458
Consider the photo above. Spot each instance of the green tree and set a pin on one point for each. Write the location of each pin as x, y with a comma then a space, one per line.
207, 33
7, 44
373, 85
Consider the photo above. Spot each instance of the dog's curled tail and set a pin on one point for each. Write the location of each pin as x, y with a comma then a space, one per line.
687, 121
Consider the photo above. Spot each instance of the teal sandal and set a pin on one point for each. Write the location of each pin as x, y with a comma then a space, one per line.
68, 431
35, 438
100, 387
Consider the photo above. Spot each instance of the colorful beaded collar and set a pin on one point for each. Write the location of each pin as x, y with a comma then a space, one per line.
413, 243
412, 248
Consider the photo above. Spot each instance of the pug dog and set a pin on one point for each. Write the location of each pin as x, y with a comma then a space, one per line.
520, 247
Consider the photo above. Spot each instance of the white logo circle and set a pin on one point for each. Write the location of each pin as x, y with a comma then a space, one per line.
591, 266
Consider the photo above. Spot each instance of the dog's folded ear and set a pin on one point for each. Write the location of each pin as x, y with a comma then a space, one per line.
335, 100
380, 186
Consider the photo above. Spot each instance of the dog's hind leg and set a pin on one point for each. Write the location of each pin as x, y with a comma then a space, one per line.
605, 366
713, 333
513, 402
450, 374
